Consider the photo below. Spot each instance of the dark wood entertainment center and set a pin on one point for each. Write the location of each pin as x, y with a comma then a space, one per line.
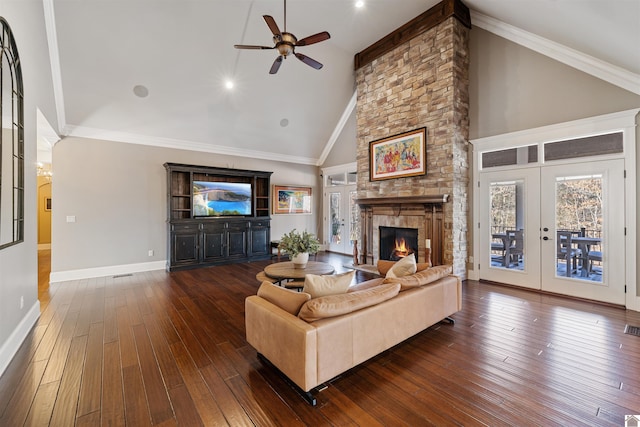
201, 241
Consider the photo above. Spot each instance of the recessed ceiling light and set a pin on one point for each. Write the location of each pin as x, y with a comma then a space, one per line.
360, 3
141, 91
284, 123
228, 84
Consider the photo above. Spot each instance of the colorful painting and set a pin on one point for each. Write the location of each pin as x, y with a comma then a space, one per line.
398, 156
291, 200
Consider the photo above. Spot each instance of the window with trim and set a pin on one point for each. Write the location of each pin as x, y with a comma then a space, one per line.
11, 141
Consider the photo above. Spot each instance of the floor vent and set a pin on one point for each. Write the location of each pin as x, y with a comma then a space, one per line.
632, 330
122, 275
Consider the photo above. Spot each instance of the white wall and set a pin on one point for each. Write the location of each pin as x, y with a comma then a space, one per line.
117, 194
18, 263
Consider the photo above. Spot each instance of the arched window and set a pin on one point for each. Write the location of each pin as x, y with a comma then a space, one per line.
11, 141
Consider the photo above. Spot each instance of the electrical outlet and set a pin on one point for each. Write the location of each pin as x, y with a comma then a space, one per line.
150, 252
21, 302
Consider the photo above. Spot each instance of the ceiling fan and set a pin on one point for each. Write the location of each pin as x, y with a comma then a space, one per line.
286, 43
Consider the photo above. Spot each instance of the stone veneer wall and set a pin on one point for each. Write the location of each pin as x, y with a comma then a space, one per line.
422, 83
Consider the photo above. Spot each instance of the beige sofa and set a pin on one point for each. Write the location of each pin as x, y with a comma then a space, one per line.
313, 352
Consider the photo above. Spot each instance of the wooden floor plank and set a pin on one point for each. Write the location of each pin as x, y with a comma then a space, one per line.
64, 411
154, 386
168, 349
42, 407
112, 389
207, 407
23, 395
136, 409
90, 390
58, 357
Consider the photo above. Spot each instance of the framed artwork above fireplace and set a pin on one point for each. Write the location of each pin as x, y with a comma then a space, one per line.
398, 156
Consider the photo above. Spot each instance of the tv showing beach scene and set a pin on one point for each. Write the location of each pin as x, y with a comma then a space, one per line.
221, 198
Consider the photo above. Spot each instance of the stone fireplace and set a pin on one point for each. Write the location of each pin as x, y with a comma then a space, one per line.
418, 77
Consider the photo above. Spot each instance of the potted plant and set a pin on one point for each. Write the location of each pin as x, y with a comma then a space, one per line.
299, 246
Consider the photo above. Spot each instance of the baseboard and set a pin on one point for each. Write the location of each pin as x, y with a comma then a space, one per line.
111, 270
17, 337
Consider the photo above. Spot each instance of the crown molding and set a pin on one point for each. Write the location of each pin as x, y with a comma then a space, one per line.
338, 129
603, 70
179, 144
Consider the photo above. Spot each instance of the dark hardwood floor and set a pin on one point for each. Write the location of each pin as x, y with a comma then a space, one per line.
168, 349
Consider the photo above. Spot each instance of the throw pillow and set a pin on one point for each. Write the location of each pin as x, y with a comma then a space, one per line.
404, 267
421, 278
337, 305
318, 286
289, 301
384, 266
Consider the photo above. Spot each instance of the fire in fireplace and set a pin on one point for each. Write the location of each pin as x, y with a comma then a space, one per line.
397, 243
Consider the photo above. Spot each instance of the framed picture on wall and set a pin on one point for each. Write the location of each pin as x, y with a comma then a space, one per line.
291, 200
398, 156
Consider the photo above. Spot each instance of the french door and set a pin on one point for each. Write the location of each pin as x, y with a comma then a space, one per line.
342, 218
556, 228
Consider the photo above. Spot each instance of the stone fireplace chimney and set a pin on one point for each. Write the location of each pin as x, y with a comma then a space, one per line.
418, 77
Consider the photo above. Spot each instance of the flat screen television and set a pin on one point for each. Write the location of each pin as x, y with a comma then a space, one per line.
221, 199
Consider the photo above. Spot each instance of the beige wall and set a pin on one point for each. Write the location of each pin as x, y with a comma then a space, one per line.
117, 193
344, 149
18, 263
514, 88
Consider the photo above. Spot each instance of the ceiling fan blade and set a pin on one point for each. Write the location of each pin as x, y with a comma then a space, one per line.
245, 46
272, 25
310, 62
276, 65
320, 37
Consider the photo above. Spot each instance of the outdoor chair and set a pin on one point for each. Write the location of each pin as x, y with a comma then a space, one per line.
566, 251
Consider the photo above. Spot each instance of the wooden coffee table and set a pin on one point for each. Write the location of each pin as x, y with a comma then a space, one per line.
286, 271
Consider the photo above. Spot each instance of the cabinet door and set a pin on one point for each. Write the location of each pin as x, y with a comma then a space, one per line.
237, 241
185, 246
260, 239
213, 244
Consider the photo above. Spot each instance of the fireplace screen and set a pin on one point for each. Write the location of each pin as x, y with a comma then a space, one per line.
397, 243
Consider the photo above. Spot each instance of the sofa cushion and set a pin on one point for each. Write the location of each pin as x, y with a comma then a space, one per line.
286, 299
421, 278
372, 283
384, 265
404, 267
337, 305
318, 286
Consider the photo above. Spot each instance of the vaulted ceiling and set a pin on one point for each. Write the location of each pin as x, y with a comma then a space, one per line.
154, 71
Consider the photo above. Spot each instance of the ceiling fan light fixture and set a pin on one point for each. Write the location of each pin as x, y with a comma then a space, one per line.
285, 43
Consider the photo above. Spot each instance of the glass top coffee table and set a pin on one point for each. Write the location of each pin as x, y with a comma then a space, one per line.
286, 271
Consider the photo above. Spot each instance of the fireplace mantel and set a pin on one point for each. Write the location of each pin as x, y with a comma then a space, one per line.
409, 200
422, 212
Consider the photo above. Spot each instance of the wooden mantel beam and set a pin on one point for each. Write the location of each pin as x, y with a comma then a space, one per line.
409, 200
429, 19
